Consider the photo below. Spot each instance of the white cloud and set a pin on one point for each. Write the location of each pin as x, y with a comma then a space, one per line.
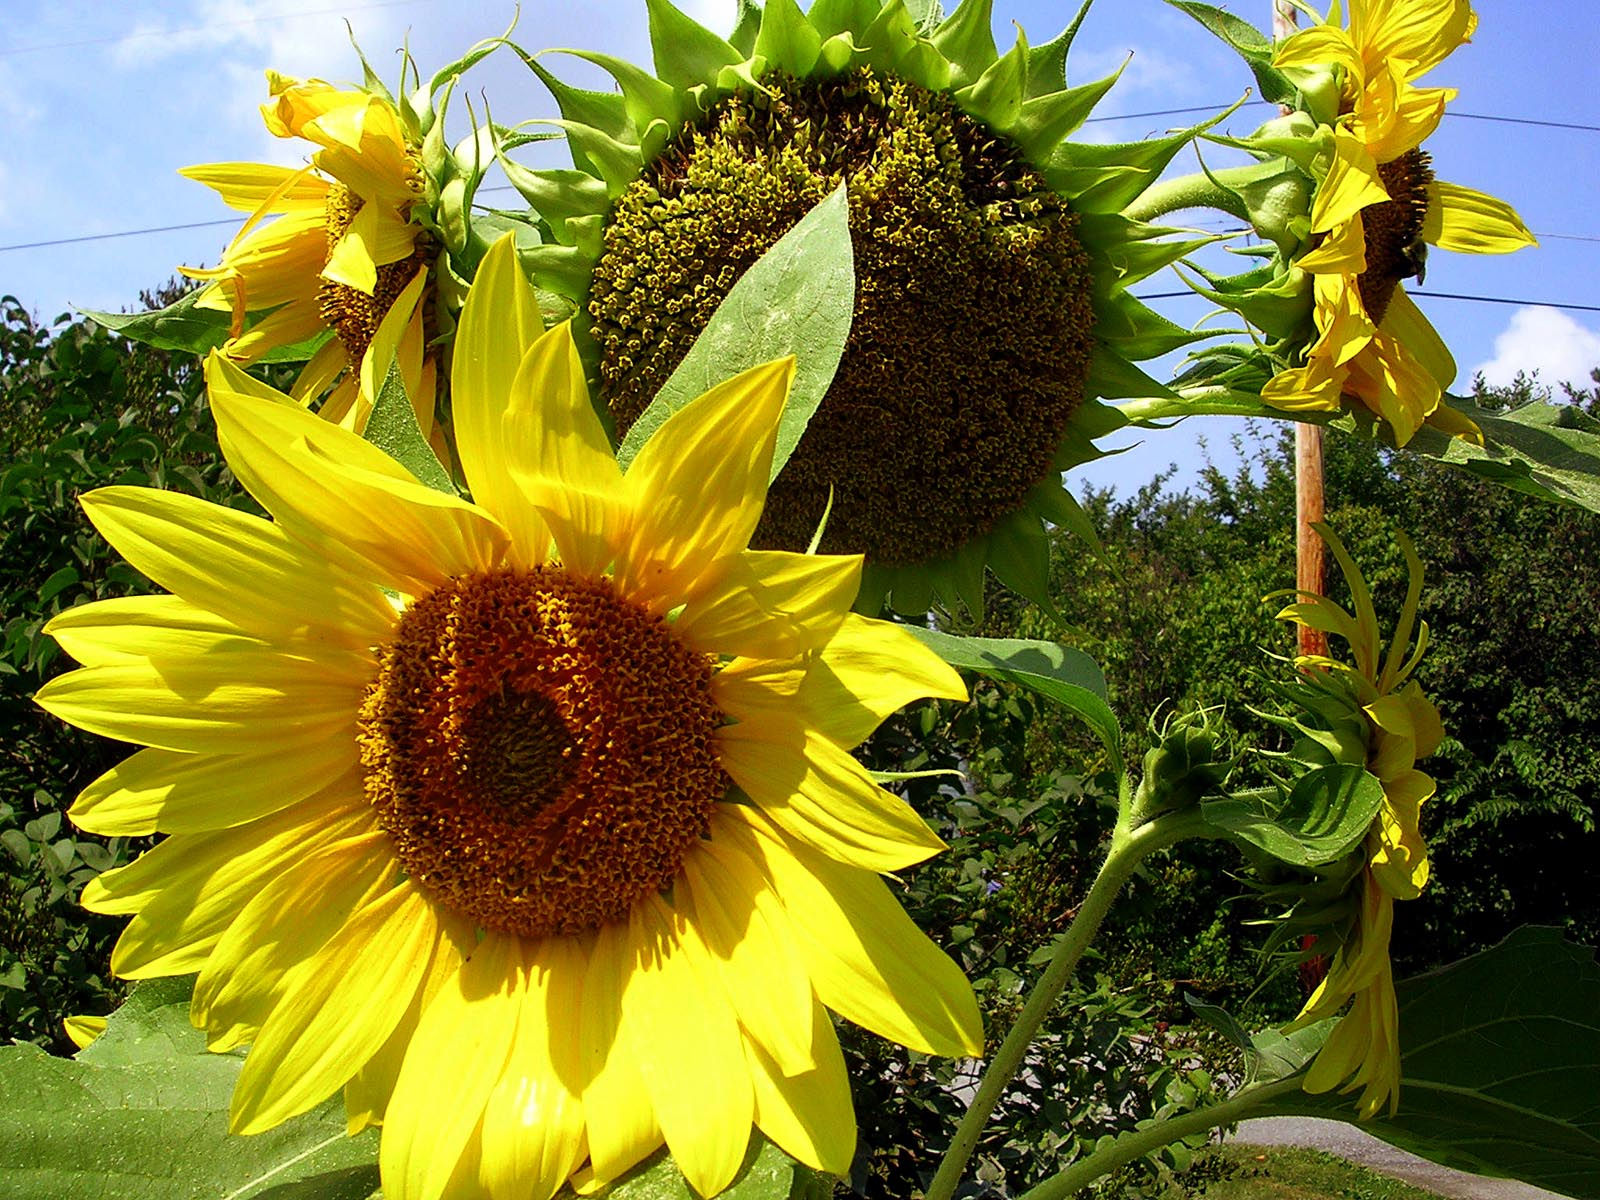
1545, 340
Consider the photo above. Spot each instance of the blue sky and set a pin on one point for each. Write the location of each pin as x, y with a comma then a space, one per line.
102, 103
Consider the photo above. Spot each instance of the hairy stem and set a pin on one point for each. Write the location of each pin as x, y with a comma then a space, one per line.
1128, 848
1200, 190
1212, 402
1139, 1142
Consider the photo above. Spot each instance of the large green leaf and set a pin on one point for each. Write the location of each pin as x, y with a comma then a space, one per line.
184, 326
1500, 1066
142, 1114
1327, 813
797, 299
1546, 450
1069, 677
767, 1174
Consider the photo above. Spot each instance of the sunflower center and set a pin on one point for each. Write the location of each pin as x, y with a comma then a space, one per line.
352, 314
973, 322
1393, 229
541, 752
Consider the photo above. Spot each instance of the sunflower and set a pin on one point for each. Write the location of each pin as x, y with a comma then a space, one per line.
1394, 724
1376, 208
345, 248
544, 858
992, 266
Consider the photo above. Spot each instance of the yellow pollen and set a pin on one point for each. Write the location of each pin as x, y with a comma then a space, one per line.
541, 752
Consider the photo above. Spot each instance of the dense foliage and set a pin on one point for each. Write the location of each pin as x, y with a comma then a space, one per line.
79, 409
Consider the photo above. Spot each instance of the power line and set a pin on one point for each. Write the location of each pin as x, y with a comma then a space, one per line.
1431, 296
100, 237
1211, 108
149, 33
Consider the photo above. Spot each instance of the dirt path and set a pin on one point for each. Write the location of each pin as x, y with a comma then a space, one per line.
1354, 1145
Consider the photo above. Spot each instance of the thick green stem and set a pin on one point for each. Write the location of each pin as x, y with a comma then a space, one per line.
1139, 1142
1190, 191
1128, 848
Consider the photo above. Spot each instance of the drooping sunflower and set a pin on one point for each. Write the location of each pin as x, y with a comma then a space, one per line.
1377, 206
992, 265
332, 248
544, 856
1391, 724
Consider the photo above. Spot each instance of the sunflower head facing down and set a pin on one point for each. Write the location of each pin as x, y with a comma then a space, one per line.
344, 256
1375, 715
530, 822
1376, 208
991, 263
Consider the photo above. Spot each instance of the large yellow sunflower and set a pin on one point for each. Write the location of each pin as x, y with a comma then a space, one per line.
1376, 699
1376, 209
993, 265
529, 822
333, 247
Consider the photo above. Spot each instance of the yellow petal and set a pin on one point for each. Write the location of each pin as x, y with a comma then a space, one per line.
685, 1039
533, 1128
248, 186
275, 937
244, 569
866, 959
771, 603
82, 1031
170, 792
317, 376
1394, 384
754, 954
1315, 387
1472, 222
817, 793
290, 325
189, 889
346, 498
1351, 185
698, 486
1405, 323
340, 1011
404, 316
1319, 45
560, 457
499, 322
616, 1105
451, 1066
366, 1096
1422, 32
376, 237
868, 670
807, 1113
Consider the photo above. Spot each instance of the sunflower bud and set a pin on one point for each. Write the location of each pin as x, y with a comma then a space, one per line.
1185, 764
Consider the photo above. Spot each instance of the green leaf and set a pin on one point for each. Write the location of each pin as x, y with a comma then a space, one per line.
1250, 43
393, 428
1500, 1066
686, 52
143, 1112
1069, 677
1326, 816
1546, 450
767, 1174
183, 325
1268, 1054
797, 299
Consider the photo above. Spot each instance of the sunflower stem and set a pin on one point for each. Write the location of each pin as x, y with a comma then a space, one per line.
1200, 190
1129, 846
1138, 1142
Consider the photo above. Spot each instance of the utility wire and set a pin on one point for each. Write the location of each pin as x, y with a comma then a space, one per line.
1431, 296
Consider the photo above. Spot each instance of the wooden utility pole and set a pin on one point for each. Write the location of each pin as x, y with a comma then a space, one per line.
1310, 563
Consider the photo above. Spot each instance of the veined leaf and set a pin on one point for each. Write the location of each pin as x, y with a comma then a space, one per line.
143, 1112
182, 325
1546, 450
767, 1174
393, 428
1069, 677
797, 299
1248, 41
1326, 815
1499, 1066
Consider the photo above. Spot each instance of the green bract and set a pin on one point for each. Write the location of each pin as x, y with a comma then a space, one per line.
992, 265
